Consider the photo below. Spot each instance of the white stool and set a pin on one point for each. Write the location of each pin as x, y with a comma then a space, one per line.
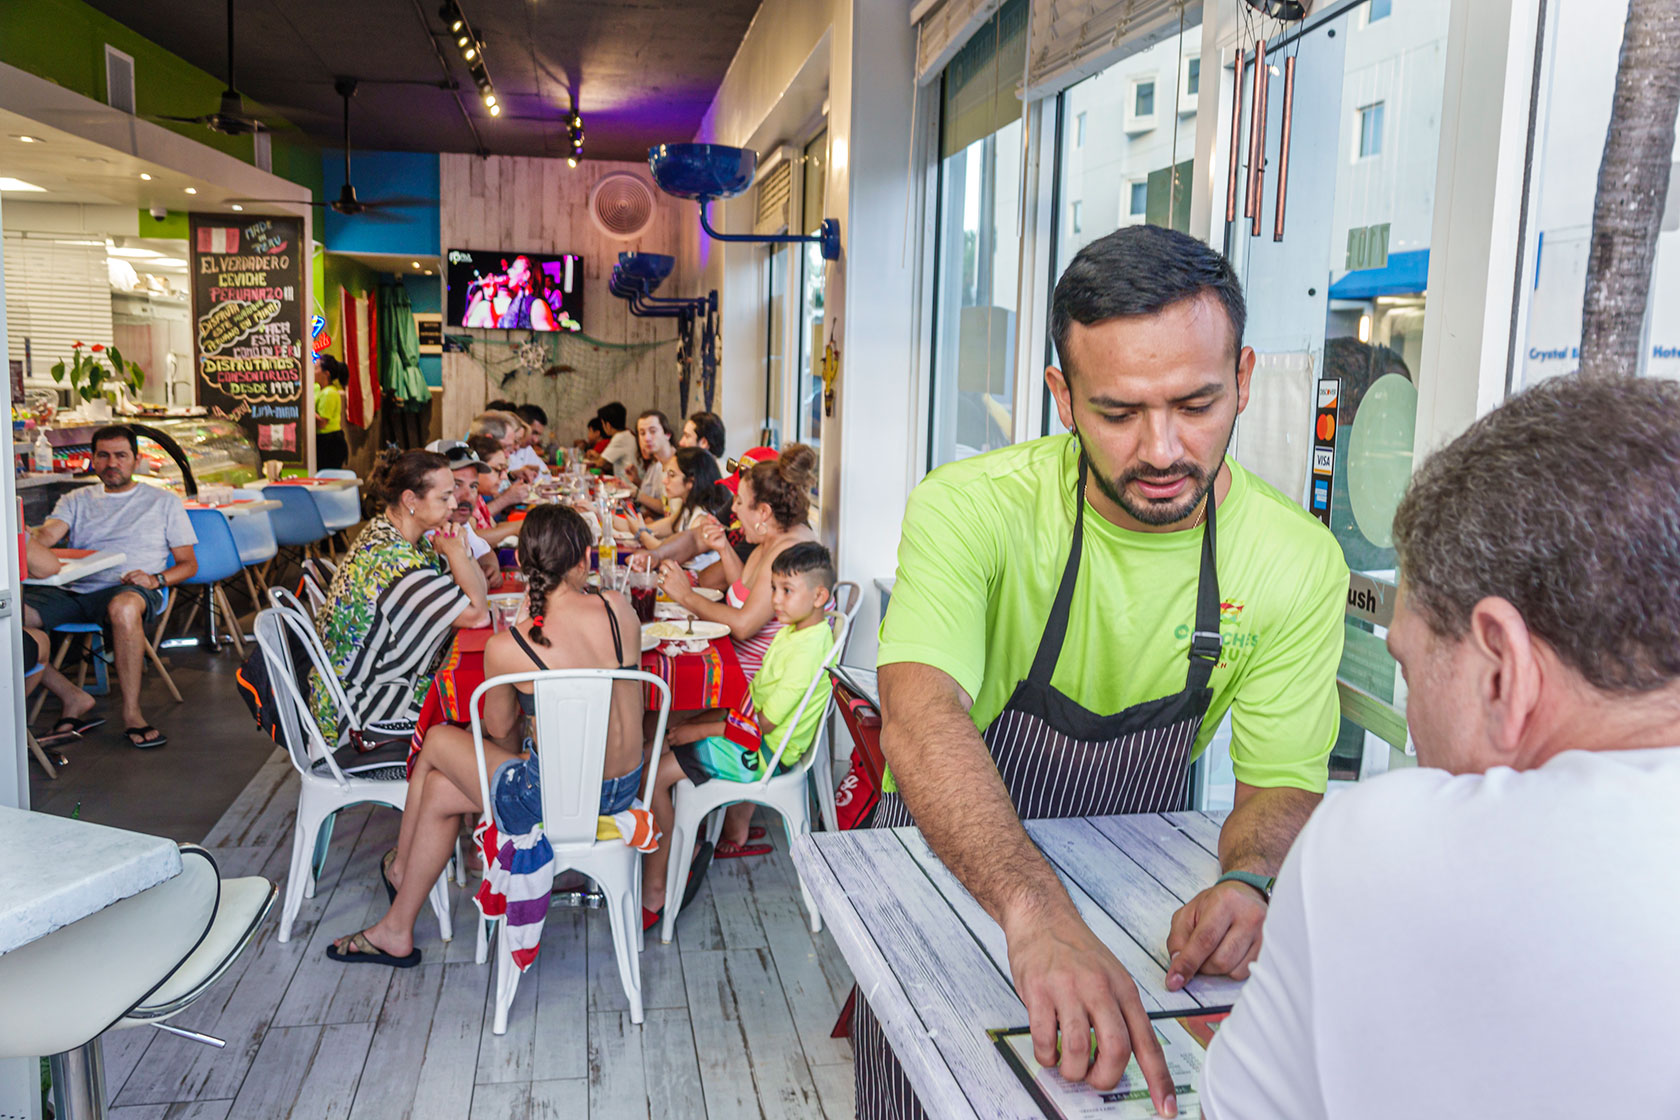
135, 963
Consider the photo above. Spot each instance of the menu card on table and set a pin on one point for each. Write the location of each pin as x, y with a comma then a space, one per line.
1184, 1042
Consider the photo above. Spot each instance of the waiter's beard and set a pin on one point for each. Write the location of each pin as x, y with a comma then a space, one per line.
1151, 512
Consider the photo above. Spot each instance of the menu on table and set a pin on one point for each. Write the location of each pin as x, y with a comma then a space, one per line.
1183, 1042
249, 337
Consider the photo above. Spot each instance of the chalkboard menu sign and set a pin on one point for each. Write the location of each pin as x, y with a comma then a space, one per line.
249, 334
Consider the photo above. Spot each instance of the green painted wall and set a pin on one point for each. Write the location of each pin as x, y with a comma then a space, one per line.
64, 41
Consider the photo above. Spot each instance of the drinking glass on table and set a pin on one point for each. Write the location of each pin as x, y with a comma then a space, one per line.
644, 592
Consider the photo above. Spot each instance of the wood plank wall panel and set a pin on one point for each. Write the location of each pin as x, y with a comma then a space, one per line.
542, 206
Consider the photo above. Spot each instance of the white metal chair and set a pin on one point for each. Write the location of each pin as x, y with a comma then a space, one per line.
847, 597
573, 714
138, 962
785, 793
318, 573
328, 780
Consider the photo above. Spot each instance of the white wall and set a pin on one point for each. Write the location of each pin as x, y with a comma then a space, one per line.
858, 52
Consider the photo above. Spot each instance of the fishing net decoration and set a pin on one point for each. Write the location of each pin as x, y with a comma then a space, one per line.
570, 374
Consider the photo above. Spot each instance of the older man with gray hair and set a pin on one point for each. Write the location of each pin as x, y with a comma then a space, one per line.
1494, 934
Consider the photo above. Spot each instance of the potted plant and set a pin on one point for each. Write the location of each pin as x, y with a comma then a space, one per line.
88, 376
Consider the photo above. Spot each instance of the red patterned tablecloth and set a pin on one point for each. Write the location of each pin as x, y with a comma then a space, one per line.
712, 679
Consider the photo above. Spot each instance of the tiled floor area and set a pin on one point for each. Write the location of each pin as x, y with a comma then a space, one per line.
738, 1008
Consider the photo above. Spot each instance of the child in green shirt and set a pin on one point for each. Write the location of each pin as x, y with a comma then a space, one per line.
737, 744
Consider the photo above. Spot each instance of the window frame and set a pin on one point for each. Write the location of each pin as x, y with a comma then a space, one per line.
1143, 122
1188, 99
1361, 115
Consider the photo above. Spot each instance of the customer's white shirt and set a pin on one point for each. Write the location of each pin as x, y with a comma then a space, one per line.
1487, 946
621, 452
523, 457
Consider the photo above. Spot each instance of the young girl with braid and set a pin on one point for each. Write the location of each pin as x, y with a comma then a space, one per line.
567, 625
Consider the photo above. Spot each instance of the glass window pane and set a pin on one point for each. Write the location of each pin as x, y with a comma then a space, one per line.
1342, 296
978, 247
1568, 144
812, 337
1379, 9
1144, 106
1193, 77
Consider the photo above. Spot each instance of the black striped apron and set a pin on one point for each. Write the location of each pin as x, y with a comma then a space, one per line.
1059, 760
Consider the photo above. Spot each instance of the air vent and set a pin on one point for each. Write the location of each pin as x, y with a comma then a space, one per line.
622, 205
262, 151
774, 213
119, 79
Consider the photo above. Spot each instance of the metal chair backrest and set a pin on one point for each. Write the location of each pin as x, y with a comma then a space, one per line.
842, 627
217, 551
277, 634
847, 596
310, 641
573, 717
297, 522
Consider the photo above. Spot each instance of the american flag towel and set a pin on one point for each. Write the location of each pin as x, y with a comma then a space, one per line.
519, 874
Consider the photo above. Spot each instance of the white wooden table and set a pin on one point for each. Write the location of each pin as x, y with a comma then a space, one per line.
240, 509
308, 484
80, 567
934, 966
59, 870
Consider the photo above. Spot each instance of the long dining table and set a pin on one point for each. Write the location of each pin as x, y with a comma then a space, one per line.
935, 968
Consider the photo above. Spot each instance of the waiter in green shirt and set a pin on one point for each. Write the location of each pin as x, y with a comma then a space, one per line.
1073, 618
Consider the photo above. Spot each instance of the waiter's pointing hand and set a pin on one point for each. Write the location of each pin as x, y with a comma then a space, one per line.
1073, 986
1217, 932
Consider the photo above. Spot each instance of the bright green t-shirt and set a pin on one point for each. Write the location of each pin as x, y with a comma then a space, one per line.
329, 406
790, 662
983, 547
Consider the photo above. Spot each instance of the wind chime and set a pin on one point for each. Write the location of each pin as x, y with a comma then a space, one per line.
1263, 20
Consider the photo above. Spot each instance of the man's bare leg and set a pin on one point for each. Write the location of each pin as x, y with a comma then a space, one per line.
128, 634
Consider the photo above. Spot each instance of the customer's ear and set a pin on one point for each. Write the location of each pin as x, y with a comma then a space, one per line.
1508, 674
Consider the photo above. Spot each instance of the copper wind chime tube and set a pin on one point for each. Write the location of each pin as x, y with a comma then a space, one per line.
1236, 140
1257, 139
1283, 144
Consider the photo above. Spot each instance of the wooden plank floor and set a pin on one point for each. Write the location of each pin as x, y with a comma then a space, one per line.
738, 1008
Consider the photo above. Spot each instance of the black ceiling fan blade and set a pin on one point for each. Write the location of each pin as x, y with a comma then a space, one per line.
273, 202
398, 202
181, 120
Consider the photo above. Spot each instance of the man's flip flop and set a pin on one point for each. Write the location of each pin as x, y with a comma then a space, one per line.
363, 951
728, 850
150, 737
73, 726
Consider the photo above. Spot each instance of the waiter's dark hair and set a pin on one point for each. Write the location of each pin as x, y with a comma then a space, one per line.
1142, 270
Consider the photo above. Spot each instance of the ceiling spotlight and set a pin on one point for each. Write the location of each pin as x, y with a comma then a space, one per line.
145, 176
571, 161
470, 53
463, 40
495, 110
192, 190
416, 264
456, 24
236, 206
428, 272
28, 139
489, 99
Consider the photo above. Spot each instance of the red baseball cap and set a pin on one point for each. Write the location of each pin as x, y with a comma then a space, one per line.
746, 462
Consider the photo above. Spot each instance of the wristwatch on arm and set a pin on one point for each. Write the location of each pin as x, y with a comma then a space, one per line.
1261, 883
161, 581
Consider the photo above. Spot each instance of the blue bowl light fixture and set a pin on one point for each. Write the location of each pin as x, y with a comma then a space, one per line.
703, 172
634, 279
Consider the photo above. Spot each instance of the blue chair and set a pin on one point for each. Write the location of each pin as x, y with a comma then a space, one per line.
218, 560
254, 534
297, 523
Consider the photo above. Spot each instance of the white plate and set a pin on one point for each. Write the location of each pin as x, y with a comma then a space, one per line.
671, 610
679, 631
648, 641
711, 593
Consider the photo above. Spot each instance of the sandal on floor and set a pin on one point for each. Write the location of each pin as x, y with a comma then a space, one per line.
385, 862
757, 832
76, 726
363, 951
62, 732
150, 737
728, 850
651, 918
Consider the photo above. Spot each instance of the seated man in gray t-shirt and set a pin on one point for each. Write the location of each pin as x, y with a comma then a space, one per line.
149, 526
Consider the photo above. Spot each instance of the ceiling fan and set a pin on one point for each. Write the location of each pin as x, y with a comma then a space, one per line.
347, 203
230, 119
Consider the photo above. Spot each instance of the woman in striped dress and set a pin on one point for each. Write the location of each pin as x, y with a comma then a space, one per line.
773, 503
397, 597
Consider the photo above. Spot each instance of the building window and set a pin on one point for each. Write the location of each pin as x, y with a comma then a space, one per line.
1143, 99
1192, 80
1378, 9
1078, 217
978, 255
1137, 199
1370, 130
1079, 131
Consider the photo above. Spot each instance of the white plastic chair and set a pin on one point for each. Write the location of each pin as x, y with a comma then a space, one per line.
325, 784
785, 793
847, 597
573, 715
137, 962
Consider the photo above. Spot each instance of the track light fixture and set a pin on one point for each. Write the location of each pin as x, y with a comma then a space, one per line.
574, 130
471, 48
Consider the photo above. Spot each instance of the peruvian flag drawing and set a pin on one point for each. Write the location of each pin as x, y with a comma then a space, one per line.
218, 239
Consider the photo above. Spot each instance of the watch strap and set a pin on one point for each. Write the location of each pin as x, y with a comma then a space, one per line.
1261, 883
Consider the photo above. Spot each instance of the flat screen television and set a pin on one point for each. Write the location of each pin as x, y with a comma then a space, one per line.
514, 291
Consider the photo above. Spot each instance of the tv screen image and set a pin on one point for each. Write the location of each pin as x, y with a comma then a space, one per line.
514, 291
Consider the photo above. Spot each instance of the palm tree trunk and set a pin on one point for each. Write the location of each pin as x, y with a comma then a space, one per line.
1632, 186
